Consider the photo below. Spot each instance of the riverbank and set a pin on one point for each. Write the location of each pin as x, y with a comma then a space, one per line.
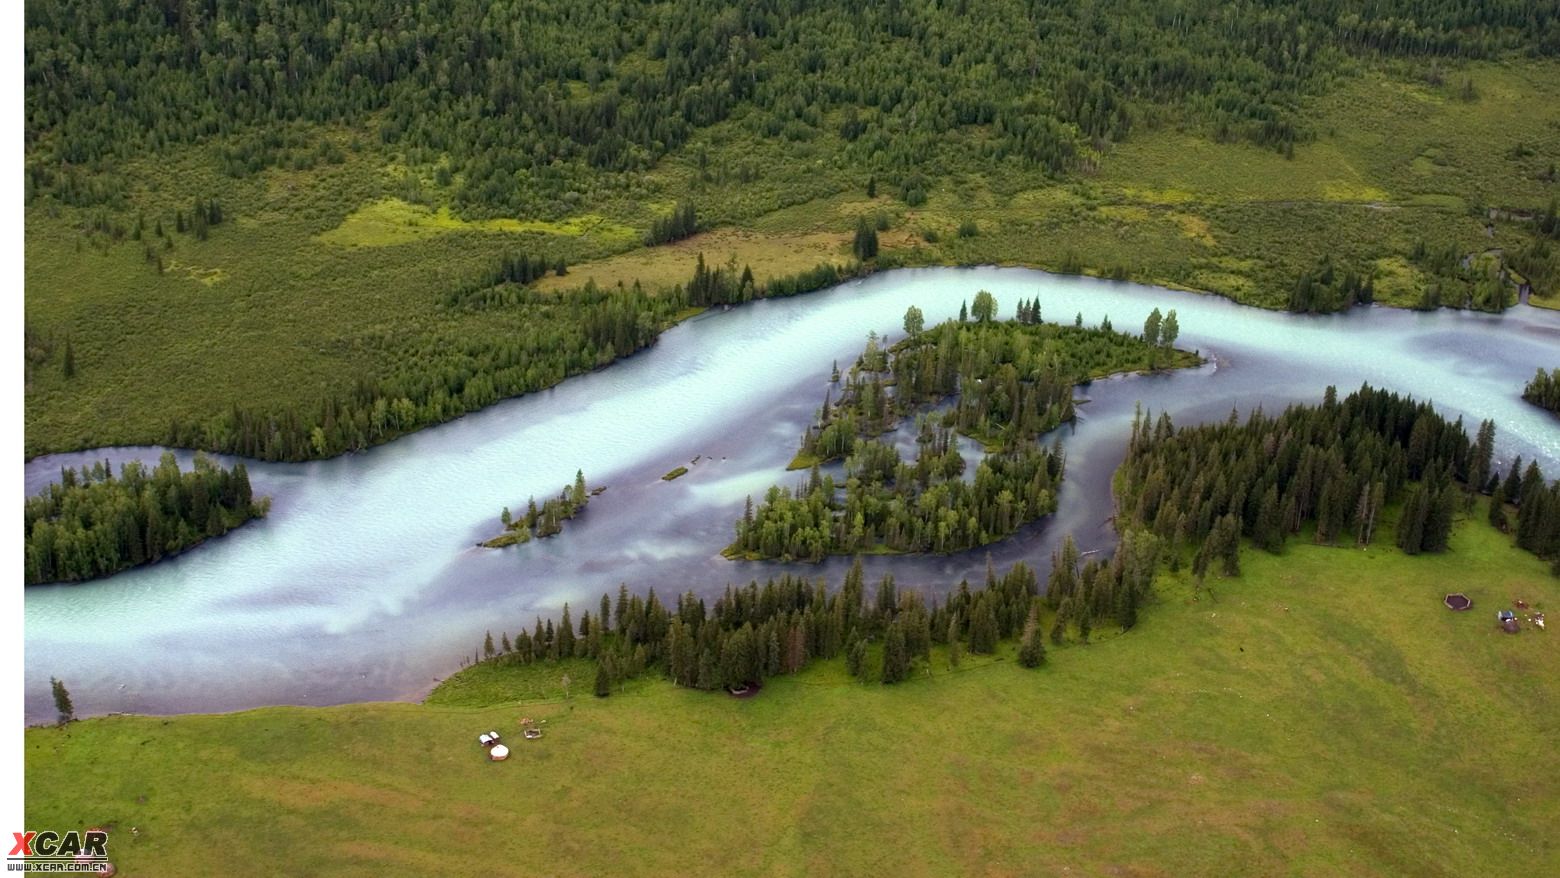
1323, 703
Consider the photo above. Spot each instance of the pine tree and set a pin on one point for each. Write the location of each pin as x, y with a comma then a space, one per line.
983, 626
1438, 523
1268, 533
1059, 624
896, 657
1513, 483
1411, 525
855, 656
1482, 461
62, 704
1126, 606
1031, 648
487, 646
565, 639
1498, 509
603, 679
865, 245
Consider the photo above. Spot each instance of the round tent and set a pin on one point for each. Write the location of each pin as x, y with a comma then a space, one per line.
1458, 601
499, 753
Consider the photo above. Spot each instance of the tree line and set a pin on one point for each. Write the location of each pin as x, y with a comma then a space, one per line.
724, 285
753, 633
92, 523
1335, 467
449, 373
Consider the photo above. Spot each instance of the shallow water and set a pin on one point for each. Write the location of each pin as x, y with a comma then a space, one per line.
364, 583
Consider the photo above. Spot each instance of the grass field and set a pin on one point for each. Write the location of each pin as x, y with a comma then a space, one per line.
1321, 715
323, 276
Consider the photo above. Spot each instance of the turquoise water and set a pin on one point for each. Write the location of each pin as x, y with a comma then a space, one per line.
364, 582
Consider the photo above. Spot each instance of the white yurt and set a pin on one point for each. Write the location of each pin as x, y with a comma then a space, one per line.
498, 753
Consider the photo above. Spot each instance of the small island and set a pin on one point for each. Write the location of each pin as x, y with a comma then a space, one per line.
91, 523
1002, 383
540, 522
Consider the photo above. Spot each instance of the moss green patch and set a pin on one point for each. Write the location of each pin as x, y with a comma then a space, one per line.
391, 221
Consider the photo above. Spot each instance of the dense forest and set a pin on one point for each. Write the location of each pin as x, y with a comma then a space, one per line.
1010, 382
540, 522
572, 90
755, 632
1544, 390
1336, 468
451, 374
92, 523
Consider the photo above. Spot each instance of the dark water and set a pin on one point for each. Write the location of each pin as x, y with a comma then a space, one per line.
364, 583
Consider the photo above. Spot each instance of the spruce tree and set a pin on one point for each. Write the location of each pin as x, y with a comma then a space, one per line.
62, 703
1031, 648
896, 656
856, 658
1411, 525
565, 637
983, 626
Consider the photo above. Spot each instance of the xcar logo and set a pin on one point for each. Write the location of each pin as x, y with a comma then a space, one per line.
69, 851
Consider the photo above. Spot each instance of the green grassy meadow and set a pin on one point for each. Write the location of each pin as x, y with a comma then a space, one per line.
1323, 714
324, 275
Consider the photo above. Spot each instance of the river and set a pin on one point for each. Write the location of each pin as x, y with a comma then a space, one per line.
364, 582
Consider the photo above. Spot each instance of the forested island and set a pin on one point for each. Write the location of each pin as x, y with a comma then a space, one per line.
546, 520
92, 523
1544, 390
1009, 381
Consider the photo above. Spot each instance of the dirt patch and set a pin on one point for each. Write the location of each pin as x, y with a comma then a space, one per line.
769, 256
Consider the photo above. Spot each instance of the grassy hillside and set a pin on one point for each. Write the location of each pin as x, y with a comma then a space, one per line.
1321, 715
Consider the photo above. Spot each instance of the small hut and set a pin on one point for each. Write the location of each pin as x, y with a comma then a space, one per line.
1507, 621
498, 753
1458, 601
485, 739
